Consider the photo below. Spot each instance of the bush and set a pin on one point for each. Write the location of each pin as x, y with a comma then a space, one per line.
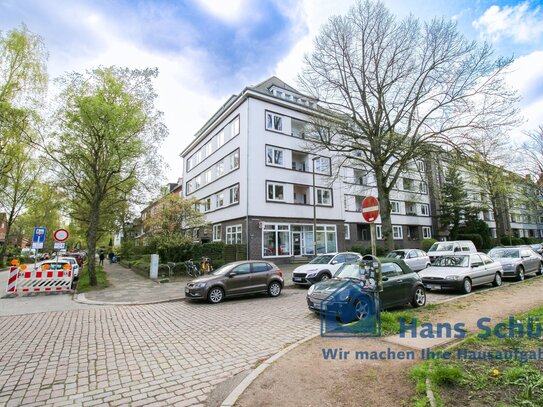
513, 241
360, 249
474, 237
426, 244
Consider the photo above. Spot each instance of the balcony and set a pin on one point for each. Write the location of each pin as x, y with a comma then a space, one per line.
302, 194
411, 208
299, 161
298, 128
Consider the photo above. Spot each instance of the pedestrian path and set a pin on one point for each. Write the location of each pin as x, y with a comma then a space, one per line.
129, 287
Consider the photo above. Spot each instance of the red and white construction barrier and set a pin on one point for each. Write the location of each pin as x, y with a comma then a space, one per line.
12, 279
45, 280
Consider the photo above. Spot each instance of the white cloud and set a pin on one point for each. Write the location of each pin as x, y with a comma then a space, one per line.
231, 11
520, 23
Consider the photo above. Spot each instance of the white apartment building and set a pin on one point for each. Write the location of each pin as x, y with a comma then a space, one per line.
251, 167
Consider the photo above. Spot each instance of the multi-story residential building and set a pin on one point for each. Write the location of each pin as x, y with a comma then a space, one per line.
3, 227
261, 182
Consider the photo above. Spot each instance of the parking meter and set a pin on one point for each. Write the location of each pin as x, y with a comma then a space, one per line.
372, 273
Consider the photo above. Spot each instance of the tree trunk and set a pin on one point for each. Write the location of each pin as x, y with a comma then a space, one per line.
91, 242
384, 209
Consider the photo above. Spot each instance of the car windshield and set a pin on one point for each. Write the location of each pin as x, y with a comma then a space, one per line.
442, 247
452, 261
222, 270
396, 254
348, 271
325, 259
54, 266
504, 253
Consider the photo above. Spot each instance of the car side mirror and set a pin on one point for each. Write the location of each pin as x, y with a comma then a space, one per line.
385, 278
456, 249
231, 274
333, 262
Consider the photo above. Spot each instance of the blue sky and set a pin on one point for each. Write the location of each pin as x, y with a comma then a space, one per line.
208, 49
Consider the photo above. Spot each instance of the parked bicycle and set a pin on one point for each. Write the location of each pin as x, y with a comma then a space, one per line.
192, 269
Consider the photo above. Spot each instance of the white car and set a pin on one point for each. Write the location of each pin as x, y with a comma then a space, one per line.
73, 263
451, 247
416, 259
322, 267
462, 272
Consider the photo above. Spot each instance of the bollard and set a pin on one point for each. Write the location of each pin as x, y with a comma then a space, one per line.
153, 272
12, 280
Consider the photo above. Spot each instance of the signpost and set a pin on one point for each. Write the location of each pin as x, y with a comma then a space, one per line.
370, 213
60, 236
39, 238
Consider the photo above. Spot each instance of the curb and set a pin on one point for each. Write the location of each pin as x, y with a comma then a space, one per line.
80, 298
234, 395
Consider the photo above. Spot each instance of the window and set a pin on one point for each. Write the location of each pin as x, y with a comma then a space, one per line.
235, 127
197, 182
421, 166
233, 234
274, 122
242, 268
220, 169
208, 149
274, 156
423, 188
261, 267
324, 197
425, 209
220, 139
207, 177
395, 207
347, 231
189, 187
397, 232
379, 232
391, 270
276, 192
426, 232
234, 194
234, 160
276, 240
217, 232
207, 204
322, 165
220, 200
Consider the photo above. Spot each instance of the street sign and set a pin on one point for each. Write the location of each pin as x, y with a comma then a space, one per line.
61, 235
59, 245
39, 238
370, 209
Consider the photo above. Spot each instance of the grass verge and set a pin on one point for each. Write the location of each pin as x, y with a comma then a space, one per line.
505, 370
83, 285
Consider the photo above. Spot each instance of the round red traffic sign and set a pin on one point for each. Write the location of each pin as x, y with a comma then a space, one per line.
61, 235
370, 209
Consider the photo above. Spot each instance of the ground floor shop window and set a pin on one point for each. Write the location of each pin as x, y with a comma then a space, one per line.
276, 240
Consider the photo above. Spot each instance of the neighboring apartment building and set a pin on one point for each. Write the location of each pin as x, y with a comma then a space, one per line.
251, 166
3, 226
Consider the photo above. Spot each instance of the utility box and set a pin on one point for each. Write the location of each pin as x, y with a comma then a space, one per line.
153, 272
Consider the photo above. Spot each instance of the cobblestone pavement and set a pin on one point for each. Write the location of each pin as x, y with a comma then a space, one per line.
161, 354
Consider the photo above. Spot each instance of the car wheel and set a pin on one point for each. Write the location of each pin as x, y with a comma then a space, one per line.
497, 280
362, 309
520, 273
466, 286
539, 271
215, 295
419, 298
274, 289
324, 277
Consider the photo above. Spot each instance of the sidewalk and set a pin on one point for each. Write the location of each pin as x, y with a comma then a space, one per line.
348, 381
127, 287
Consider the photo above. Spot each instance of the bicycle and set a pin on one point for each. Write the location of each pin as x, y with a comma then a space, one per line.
192, 269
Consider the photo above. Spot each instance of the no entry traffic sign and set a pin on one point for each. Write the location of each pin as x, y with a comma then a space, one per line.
61, 235
370, 209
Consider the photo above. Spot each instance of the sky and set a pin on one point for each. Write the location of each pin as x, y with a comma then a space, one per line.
207, 50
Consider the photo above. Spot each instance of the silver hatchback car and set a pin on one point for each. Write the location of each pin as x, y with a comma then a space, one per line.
517, 261
416, 259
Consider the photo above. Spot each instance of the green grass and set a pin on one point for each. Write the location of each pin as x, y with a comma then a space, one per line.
83, 285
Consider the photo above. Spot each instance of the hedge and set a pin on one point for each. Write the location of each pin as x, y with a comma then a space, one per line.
476, 238
426, 244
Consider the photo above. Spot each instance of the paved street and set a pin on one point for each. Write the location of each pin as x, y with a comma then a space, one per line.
168, 354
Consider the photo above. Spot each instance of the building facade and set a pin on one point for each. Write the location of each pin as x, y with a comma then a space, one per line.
261, 183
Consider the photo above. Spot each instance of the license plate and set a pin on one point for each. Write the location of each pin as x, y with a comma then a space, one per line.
296, 279
433, 286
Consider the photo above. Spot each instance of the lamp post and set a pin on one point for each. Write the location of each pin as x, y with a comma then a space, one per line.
314, 209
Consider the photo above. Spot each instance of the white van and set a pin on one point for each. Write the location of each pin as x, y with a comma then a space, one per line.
449, 248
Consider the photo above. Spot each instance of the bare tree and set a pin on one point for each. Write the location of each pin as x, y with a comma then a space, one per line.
394, 89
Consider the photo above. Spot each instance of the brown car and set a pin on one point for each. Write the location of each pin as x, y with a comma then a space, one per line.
238, 278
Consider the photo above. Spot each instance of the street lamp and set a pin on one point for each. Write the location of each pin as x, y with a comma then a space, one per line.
314, 208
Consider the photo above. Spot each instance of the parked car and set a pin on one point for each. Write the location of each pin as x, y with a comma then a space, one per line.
449, 248
462, 272
322, 267
74, 264
416, 259
517, 261
401, 285
238, 278
538, 248
79, 257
